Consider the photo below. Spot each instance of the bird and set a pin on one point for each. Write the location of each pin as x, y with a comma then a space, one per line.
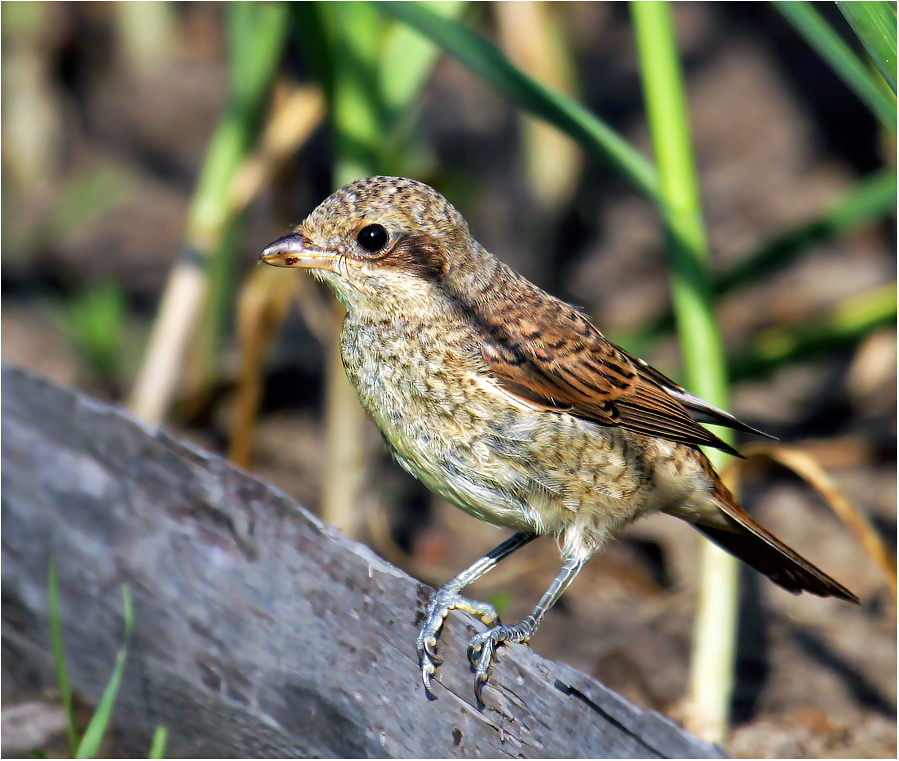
508, 402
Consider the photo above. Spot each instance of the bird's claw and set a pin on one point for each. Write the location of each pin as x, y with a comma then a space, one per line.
430, 650
442, 603
427, 671
428, 660
482, 649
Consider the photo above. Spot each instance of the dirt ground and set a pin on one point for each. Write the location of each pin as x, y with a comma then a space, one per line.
777, 139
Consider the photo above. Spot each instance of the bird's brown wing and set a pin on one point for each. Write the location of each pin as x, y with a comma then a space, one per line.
549, 354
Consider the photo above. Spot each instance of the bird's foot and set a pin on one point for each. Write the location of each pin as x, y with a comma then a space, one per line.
442, 603
482, 648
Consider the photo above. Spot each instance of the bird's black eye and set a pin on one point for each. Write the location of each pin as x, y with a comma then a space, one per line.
372, 238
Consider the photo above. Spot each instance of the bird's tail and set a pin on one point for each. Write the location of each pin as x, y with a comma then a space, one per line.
752, 543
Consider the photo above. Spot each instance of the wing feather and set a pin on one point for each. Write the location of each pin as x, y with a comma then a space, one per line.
549, 354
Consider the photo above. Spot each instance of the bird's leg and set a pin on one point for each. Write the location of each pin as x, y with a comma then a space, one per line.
482, 647
448, 598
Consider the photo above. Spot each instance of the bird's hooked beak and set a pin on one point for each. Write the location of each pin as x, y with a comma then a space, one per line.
295, 250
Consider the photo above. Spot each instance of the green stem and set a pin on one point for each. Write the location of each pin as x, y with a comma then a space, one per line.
256, 36
256, 33
703, 355
704, 368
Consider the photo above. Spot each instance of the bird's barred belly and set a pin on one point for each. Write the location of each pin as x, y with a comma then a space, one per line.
496, 458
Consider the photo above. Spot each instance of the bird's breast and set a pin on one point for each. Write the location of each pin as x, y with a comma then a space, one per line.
492, 455
414, 380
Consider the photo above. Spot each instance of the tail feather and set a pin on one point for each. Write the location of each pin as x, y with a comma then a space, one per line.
755, 545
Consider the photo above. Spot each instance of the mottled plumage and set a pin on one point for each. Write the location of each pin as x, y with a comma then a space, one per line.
509, 402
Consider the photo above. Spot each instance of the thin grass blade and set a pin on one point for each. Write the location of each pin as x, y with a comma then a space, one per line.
59, 657
846, 325
831, 47
96, 730
356, 32
533, 35
488, 63
160, 737
870, 200
408, 60
875, 25
867, 202
257, 33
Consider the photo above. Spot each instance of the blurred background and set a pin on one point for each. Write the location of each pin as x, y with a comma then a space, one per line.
151, 150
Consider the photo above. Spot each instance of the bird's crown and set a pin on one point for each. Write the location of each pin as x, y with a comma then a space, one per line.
400, 206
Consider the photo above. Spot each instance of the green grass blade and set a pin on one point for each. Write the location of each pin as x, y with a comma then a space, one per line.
256, 33
408, 59
157, 748
845, 326
256, 36
59, 657
488, 63
870, 200
704, 363
96, 730
875, 25
831, 47
196, 301
356, 33
373, 69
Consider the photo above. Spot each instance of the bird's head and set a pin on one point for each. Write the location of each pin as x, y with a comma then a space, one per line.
379, 241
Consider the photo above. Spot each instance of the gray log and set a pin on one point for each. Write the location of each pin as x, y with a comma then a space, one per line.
258, 630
